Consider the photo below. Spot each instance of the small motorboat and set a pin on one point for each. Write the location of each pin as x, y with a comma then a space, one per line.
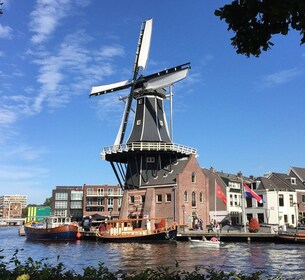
212, 243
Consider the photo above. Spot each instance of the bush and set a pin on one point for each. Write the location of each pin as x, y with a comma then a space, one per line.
254, 225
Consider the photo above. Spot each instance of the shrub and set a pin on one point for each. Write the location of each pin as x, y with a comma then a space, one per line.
254, 225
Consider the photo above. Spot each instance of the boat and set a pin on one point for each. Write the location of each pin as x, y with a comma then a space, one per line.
54, 228
297, 236
212, 243
136, 230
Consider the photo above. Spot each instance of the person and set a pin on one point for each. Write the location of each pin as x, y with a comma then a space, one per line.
204, 238
214, 239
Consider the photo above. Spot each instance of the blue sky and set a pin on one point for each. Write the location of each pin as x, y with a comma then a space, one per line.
242, 114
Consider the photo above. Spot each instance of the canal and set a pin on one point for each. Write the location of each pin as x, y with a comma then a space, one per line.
288, 259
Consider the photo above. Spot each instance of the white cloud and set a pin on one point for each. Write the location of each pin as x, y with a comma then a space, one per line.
46, 17
5, 32
7, 116
282, 77
23, 152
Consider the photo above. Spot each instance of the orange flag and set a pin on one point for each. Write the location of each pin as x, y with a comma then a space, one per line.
220, 194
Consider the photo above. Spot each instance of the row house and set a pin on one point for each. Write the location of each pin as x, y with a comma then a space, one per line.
283, 197
103, 200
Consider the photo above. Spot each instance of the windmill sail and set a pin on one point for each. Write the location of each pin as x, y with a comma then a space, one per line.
145, 45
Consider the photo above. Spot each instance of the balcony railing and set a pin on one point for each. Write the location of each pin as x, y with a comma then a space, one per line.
103, 194
147, 146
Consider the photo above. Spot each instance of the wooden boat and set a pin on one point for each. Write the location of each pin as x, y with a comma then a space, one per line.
54, 228
212, 243
136, 230
292, 237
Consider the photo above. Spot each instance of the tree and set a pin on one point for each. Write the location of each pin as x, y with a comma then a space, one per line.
47, 202
255, 21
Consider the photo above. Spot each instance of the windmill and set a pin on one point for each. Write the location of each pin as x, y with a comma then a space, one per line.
149, 138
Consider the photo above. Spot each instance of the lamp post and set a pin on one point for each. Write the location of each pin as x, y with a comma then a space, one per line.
183, 217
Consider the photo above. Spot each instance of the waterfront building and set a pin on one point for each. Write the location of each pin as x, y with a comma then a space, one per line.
279, 192
299, 174
67, 201
11, 206
102, 201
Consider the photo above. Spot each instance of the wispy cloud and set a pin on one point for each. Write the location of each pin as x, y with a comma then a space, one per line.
5, 32
46, 17
281, 77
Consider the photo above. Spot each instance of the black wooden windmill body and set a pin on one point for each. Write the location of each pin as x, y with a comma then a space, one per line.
149, 153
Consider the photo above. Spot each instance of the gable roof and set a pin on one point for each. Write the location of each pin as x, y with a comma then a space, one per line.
299, 172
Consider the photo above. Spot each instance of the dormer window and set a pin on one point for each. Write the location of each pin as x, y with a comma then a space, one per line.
293, 181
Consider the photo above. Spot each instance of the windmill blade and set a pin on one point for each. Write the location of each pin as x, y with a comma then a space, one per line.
140, 63
165, 78
144, 44
119, 134
109, 88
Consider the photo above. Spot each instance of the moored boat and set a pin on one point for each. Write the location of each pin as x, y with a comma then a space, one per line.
54, 228
212, 243
136, 230
298, 236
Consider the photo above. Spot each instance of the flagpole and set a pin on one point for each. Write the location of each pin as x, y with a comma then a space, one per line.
215, 202
244, 205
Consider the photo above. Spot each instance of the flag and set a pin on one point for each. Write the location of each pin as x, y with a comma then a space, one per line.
220, 194
251, 193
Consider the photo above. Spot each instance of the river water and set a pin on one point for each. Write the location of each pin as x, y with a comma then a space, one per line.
288, 259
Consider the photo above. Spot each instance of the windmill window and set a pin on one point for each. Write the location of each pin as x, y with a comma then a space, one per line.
193, 177
161, 123
150, 159
138, 122
140, 101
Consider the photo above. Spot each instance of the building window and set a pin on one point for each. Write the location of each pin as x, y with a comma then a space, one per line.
231, 200
281, 200
185, 196
61, 196
159, 198
201, 197
303, 198
193, 199
76, 195
261, 218
61, 204
292, 219
76, 205
260, 204
142, 199
193, 177
110, 203
168, 197
110, 191
291, 200
100, 192
119, 202
249, 202
150, 159
131, 199
285, 219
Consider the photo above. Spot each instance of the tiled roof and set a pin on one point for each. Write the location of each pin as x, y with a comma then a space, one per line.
300, 172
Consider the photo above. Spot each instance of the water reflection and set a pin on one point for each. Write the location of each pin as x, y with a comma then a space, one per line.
240, 257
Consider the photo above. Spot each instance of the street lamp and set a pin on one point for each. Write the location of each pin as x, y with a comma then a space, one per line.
183, 217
